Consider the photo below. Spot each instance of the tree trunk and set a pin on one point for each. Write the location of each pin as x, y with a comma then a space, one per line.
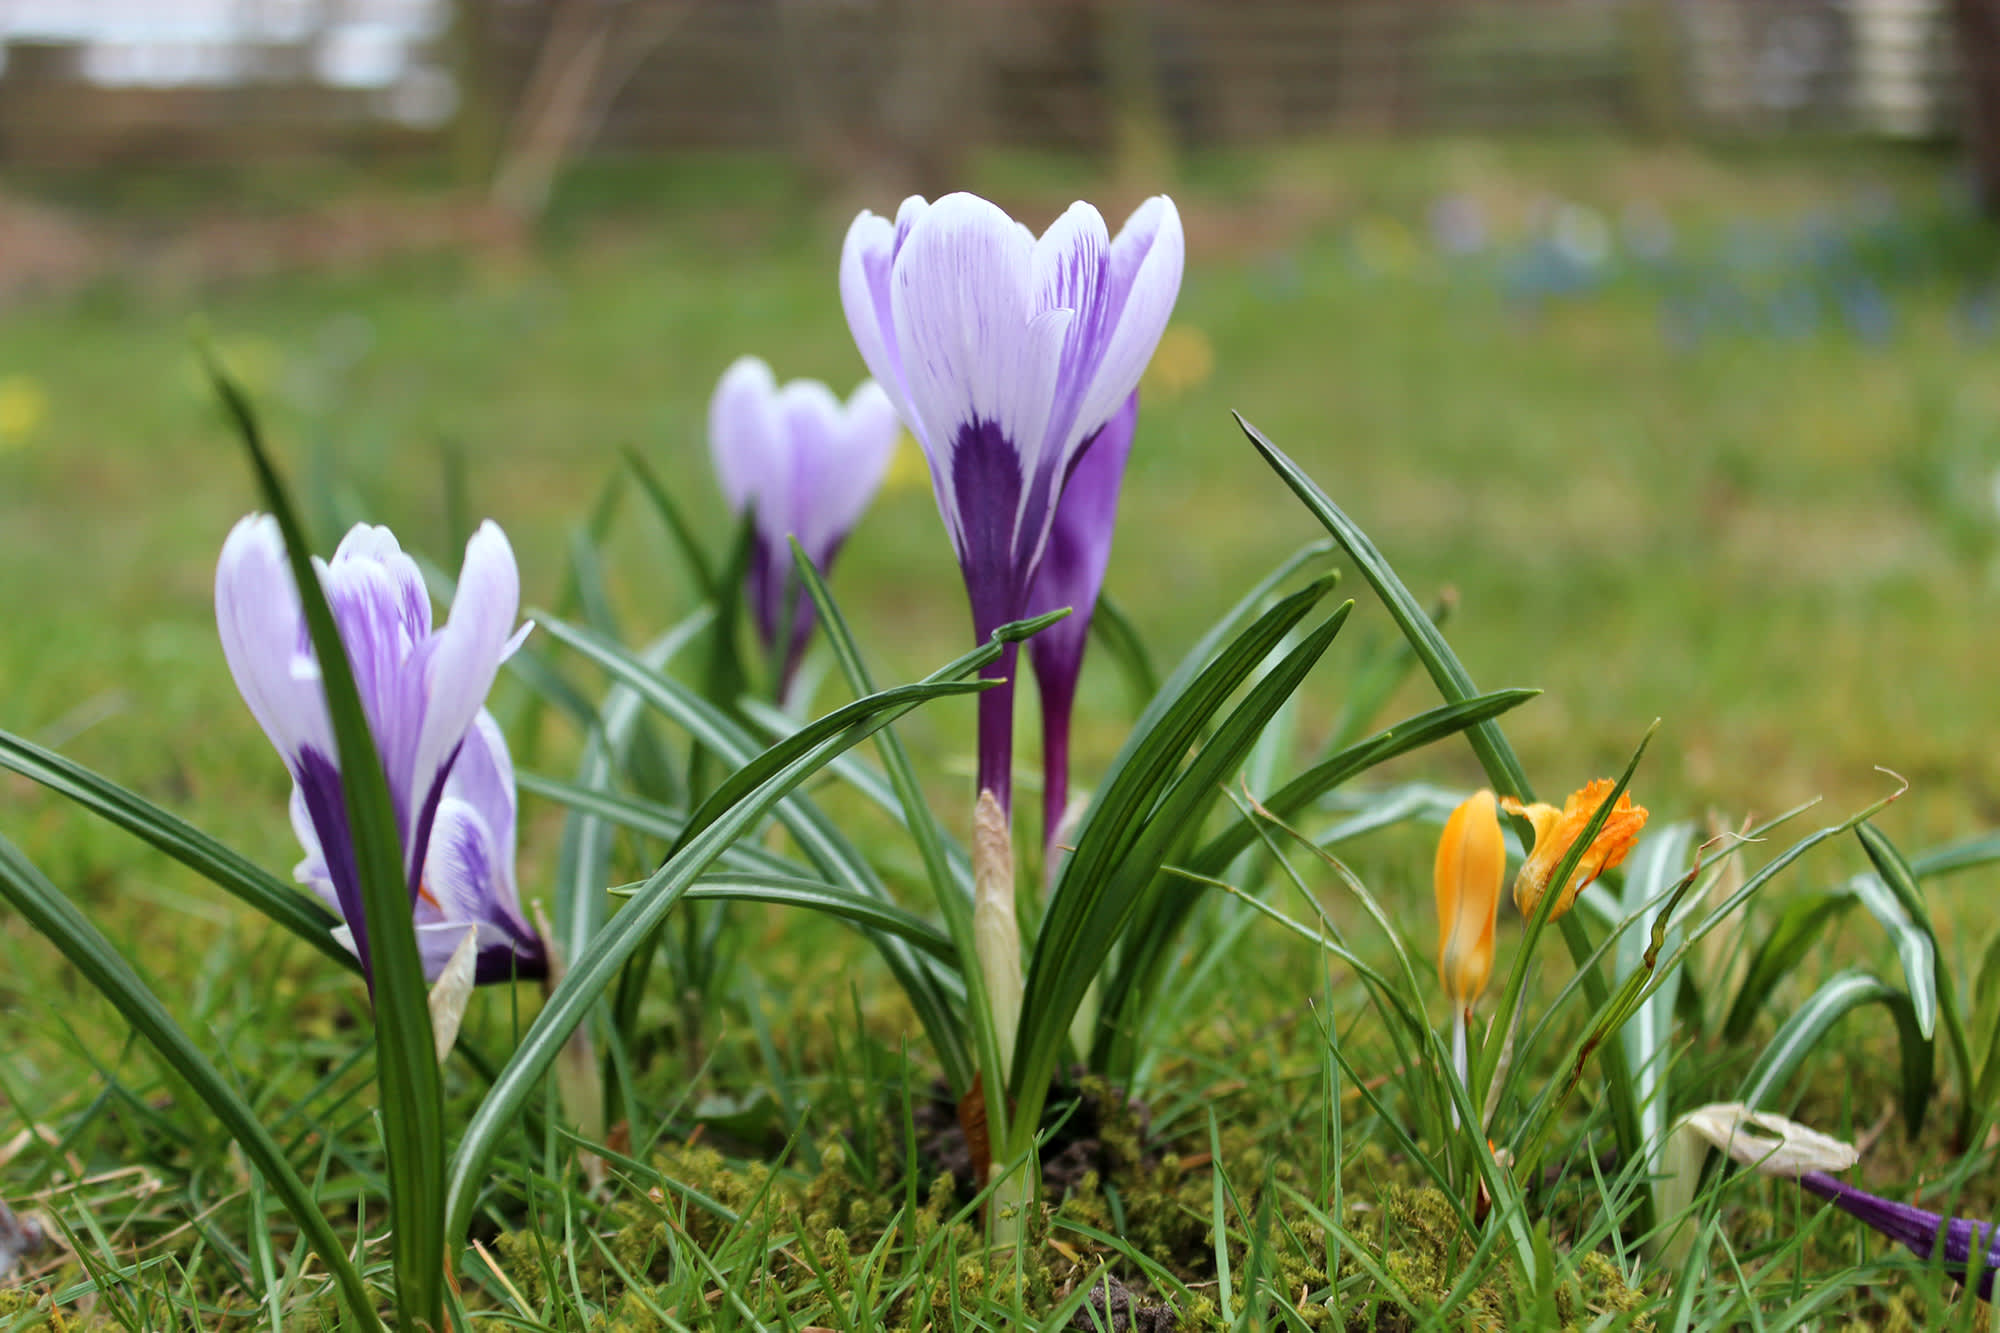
1979, 55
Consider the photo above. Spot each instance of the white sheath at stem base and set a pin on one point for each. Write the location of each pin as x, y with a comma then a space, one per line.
996, 930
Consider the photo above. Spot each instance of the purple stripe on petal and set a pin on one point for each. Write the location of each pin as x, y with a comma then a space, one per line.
326, 804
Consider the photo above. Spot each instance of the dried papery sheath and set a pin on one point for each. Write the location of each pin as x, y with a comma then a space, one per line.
1004, 354
1766, 1142
809, 465
424, 692
996, 929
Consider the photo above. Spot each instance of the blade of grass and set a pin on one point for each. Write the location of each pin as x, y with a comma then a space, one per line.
50, 912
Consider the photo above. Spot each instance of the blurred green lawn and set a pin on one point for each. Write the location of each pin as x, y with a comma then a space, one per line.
1775, 542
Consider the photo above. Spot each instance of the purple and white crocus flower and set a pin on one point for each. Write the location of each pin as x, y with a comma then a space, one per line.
1006, 354
424, 692
1072, 575
810, 465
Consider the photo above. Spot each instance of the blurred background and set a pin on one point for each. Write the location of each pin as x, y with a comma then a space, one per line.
1655, 338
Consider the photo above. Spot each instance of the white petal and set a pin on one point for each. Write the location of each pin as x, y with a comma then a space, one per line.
466, 654
866, 258
262, 629
742, 432
864, 443
1147, 259
1070, 272
812, 424
311, 871
973, 349
383, 609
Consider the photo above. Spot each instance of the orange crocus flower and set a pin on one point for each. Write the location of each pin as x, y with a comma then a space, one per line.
1471, 863
1557, 830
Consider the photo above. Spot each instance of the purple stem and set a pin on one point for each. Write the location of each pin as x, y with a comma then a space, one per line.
996, 730
1056, 709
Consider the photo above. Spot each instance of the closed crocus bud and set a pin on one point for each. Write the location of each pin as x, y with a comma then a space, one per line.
1556, 831
1471, 863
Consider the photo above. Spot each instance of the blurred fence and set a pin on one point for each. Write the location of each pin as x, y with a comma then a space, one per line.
838, 79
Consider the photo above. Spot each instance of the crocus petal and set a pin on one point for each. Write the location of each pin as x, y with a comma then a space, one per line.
311, 871
1147, 259
840, 475
264, 639
809, 428
1471, 864
384, 613
981, 364
742, 435
1070, 261
1556, 831
1072, 575
465, 656
866, 257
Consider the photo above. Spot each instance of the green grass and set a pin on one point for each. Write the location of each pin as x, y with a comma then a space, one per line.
1778, 544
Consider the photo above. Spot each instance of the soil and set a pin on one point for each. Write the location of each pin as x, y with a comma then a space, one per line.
1075, 1122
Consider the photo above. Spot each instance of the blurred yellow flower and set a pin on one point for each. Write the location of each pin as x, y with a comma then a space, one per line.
908, 468
24, 404
1183, 360
1557, 830
1386, 245
1471, 863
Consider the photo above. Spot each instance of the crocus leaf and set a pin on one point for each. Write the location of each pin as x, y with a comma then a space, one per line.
598, 965
1648, 1034
701, 576
950, 875
1503, 767
1805, 1031
406, 1050
1142, 812
1115, 633
856, 909
1932, 993
1801, 921
222, 866
51, 913
1915, 949
1953, 857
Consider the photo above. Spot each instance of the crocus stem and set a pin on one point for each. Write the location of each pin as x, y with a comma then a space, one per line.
1460, 1057
1055, 777
996, 735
